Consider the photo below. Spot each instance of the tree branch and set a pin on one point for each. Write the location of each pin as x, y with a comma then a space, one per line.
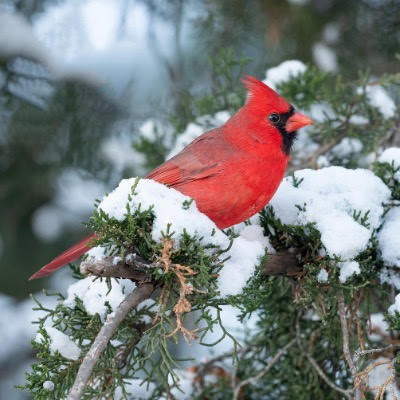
311, 360
112, 323
346, 345
252, 380
285, 264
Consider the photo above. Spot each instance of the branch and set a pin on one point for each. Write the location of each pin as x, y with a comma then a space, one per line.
346, 346
285, 264
311, 360
105, 334
252, 380
106, 267
282, 264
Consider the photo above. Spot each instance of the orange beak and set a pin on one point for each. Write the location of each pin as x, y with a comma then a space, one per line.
297, 121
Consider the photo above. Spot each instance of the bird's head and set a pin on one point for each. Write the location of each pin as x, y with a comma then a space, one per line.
272, 113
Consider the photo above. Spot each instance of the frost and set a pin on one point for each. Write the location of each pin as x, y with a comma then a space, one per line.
348, 269
389, 238
95, 294
61, 342
283, 72
329, 197
322, 276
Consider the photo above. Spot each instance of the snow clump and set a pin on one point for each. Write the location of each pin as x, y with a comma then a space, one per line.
283, 72
244, 253
60, 342
330, 198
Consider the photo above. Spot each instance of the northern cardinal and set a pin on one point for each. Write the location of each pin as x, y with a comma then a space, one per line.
232, 171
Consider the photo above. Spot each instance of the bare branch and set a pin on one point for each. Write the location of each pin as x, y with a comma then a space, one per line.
105, 334
311, 360
107, 268
282, 264
346, 345
252, 380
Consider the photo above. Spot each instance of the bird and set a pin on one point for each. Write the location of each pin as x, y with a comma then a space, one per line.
232, 171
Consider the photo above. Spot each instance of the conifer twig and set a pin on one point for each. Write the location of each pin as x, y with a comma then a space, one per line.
111, 325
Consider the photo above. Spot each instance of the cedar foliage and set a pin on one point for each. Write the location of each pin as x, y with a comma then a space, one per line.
298, 309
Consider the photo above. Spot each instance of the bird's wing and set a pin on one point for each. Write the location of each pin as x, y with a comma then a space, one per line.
194, 163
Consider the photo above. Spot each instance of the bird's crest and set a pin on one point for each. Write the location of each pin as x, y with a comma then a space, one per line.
261, 95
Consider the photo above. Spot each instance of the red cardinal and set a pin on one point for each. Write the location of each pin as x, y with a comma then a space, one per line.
232, 171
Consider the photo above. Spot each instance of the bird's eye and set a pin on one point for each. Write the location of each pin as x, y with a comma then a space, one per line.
274, 118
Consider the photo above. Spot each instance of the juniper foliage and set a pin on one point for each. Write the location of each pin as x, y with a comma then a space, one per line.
302, 308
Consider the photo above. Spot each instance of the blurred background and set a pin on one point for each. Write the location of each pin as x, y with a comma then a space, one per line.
87, 85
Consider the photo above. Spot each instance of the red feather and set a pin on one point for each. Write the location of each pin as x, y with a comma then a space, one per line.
232, 171
64, 258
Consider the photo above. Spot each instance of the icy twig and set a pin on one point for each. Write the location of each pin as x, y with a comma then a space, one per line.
112, 323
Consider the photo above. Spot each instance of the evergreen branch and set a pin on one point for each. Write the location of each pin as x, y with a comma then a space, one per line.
112, 323
252, 380
106, 267
285, 264
314, 364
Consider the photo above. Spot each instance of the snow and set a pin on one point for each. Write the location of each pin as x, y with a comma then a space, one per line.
75, 193
60, 342
323, 276
17, 38
346, 147
391, 155
95, 294
321, 112
283, 72
168, 209
331, 33
119, 152
324, 57
348, 269
136, 388
331, 196
396, 306
379, 327
195, 129
379, 375
379, 98
389, 238
245, 255
48, 385
256, 233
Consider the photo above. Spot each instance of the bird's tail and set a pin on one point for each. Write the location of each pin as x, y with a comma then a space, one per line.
64, 258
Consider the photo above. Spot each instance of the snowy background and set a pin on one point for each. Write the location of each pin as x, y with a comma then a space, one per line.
81, 80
